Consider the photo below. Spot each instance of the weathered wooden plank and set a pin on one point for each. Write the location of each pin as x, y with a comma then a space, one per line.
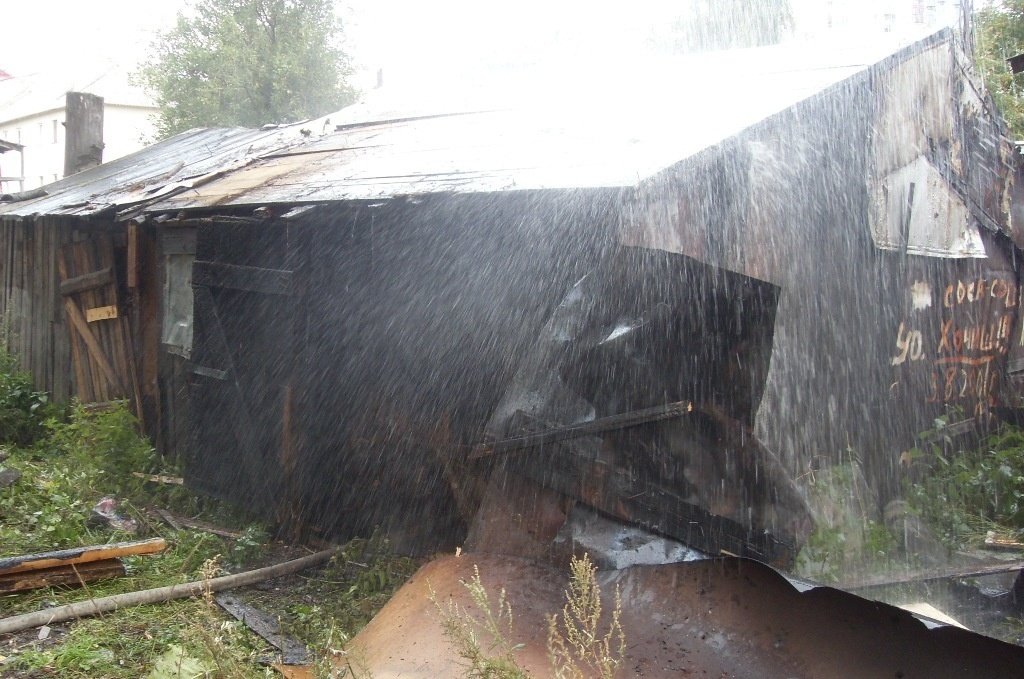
77, 555
97, 384
89, 281
69, 575
248, 278
132, 264
95, 350
208, 372
77, 363
103, 313
602, 424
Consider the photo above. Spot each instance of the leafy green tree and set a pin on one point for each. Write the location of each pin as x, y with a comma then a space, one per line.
1000, 34
248, 62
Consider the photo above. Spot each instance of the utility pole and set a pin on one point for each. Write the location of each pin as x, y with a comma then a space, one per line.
83, 135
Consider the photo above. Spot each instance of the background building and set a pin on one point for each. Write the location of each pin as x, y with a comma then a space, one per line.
32, 115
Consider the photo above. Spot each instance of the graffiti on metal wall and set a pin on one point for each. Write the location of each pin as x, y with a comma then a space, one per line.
954, 338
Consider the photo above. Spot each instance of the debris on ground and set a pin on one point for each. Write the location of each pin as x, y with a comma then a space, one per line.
9, 477
104, 513
267, 627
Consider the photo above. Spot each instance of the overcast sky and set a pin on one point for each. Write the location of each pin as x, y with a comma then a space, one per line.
401, 36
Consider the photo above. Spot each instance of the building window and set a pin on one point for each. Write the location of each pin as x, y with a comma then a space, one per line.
56, 130
17, 133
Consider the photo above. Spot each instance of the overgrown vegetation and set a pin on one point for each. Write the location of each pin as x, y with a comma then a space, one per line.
581, 643
75, 456
964, 490
849, 535
576, 646
1000, 35
23, 409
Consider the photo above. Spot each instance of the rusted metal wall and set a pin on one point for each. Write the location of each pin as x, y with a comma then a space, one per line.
874, 207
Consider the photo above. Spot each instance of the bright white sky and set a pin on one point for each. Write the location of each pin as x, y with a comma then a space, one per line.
406, 38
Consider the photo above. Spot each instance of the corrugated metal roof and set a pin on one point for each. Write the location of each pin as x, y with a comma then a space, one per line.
604, 128
613, 130
152, 172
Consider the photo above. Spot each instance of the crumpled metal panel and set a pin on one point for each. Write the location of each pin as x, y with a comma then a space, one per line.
724, 617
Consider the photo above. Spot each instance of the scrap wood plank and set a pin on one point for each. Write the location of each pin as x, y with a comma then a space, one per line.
926, 575
89, 281
92, 344
184, 590
69, 574
267, 627
77, 555
179, 522
160, 478
602, 424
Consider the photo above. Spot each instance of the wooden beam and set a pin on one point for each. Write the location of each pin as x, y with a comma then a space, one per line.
185, 590
248, 278
572, 431
208, 372
78, 555
132, 257
79, 323
90, 281
69, 575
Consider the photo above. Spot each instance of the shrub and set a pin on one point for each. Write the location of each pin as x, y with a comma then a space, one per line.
22, 408
965, 490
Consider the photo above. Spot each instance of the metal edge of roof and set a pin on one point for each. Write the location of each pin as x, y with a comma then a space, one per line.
136, 177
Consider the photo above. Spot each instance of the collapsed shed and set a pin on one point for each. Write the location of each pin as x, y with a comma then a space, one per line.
664, 309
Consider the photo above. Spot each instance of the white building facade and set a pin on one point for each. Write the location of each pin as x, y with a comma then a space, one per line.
32, 114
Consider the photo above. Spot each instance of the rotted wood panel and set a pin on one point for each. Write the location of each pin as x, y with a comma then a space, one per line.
102, 356
32, 314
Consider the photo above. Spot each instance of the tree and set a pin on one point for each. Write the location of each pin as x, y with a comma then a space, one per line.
248, 62
1000, 35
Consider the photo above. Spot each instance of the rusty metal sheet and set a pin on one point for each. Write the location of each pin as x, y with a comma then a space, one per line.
716, 617
148, 172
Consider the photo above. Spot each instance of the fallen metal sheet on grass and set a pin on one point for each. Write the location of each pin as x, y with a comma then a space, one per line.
717, 617
267, 627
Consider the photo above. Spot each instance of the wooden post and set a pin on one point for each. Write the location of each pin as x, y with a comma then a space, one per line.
83, 122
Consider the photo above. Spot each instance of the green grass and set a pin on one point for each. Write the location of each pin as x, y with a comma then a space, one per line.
79, 458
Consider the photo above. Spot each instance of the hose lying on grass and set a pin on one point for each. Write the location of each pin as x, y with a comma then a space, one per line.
83, 609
